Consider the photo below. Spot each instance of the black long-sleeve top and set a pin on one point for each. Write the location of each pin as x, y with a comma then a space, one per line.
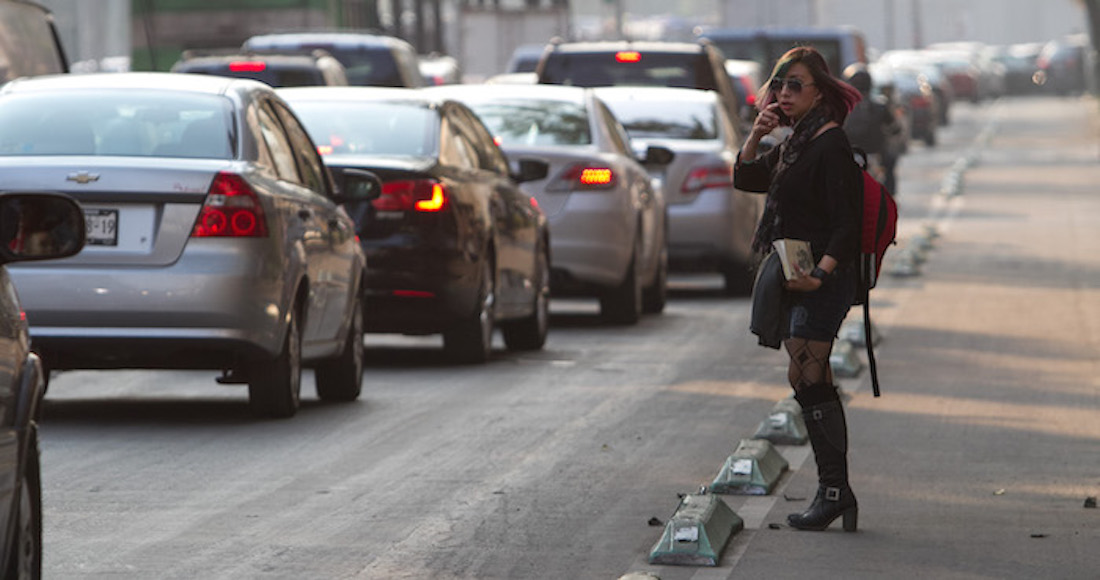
818, 196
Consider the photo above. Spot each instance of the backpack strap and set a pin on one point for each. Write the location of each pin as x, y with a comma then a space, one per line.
869, 341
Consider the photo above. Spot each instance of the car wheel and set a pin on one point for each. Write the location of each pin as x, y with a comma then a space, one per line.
341, 379
25, 550
275, 385
656, 296
530, 333
470, 341
623, 303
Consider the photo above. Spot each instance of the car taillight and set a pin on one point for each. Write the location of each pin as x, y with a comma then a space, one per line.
706, 176
582, 176
231, 210
248, 66
628, 56
919, 102
423, 195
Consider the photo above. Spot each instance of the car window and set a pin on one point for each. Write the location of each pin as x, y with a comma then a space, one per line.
604, 69
309, 164
489, 156
369, 128
281, 155
532, 121
455, 149
667, 120
620, 140
375, 67
117, 123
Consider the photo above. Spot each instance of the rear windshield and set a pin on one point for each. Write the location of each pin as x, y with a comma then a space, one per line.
655, 120
768, 51
365, 66
275, 76
605, 69
117, 122
370, 128
534, 122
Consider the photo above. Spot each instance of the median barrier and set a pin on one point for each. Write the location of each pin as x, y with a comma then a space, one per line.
784, 424
697, 533
754, 468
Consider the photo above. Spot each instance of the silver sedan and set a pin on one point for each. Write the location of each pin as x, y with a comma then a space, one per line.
711, 224
215, 238
607, 217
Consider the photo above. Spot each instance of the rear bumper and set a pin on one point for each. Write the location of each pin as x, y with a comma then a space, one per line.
591, 241
709, 233
419, 290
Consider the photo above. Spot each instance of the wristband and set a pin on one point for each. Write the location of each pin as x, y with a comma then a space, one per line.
819, 273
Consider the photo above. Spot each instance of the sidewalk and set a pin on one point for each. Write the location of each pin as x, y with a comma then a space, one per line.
977, 460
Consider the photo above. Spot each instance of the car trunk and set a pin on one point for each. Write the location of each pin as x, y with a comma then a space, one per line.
138, 211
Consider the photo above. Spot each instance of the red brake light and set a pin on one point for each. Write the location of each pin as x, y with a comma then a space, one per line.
423, 195
231, 210
324, 149
707, 176
628, 56
248, 66
580, 177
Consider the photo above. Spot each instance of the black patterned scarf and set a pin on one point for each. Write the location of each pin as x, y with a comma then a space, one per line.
789, 150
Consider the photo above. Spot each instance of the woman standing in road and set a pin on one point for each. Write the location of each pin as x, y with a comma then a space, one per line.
813, 187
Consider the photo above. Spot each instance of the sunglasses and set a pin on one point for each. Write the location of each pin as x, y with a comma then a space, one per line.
793, 85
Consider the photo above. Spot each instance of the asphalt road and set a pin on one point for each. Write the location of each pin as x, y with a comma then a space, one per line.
543, 465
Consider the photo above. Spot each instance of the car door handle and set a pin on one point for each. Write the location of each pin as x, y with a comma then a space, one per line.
305, 214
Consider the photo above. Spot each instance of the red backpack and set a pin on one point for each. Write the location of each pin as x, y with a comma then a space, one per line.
880, 226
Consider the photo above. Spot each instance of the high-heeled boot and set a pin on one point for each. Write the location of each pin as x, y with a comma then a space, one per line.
828, 433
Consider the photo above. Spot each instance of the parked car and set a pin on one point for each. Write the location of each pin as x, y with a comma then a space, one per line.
370, 59
276, 70
908, 90
33, 226
608, 222
525, 58
711, 224
1020, 62
689, 65
215, 236
454, 246
1061, 65
746, 77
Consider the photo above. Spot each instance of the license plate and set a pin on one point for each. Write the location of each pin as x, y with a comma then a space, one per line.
102, 227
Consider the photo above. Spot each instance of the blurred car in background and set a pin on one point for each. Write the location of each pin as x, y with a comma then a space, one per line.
711, 224
525, 58
370, 59
440, 69
454, 246
841, 46
215, 237
33, 226
607, 219
921, 64
1061, 65
688, 65
908, 90
746, 77
276, 70
1020, 62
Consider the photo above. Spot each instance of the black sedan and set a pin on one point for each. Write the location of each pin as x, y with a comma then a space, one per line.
453, 245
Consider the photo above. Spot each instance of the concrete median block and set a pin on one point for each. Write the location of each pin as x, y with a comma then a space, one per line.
844, 361
905, 263
784, 424
697, 533
754, 469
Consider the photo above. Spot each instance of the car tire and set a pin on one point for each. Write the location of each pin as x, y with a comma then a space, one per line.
275, 385
623, 303
470, 341
655, 296
25, 549
529, 333
340, 379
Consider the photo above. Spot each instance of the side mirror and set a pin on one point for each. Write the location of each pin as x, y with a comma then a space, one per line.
657, 155
531, 170
358, 185
39, 226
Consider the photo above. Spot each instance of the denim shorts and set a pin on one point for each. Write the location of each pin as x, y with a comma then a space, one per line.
818, 315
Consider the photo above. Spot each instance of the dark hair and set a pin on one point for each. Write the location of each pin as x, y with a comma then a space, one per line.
836, 95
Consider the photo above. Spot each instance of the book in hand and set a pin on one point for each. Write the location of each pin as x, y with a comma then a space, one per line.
794, 252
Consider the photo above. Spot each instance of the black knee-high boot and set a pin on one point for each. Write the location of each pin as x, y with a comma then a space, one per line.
828, 433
